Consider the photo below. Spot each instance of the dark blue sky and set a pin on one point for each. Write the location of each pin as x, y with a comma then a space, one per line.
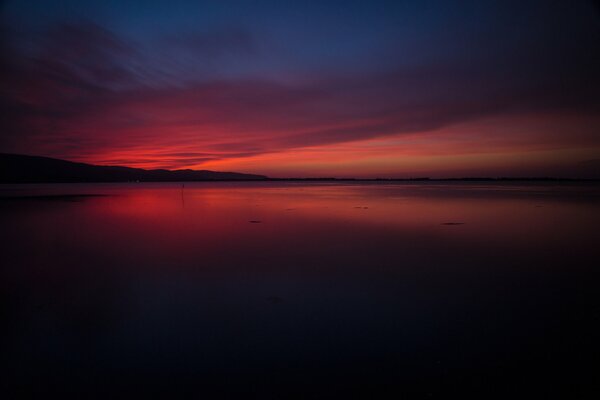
343, 71
262, 37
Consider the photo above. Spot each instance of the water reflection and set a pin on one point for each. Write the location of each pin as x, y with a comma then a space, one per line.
407, 289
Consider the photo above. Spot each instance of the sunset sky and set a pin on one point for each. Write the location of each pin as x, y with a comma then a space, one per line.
306, 88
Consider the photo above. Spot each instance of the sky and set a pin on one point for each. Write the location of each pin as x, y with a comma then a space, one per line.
306, 88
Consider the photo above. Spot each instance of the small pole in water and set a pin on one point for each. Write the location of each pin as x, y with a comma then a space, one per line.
182, 186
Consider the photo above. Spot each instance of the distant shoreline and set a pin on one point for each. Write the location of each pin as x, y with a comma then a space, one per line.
365, 180
19, 169
480, 179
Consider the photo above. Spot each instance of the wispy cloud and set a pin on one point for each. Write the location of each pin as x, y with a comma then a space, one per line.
78, 91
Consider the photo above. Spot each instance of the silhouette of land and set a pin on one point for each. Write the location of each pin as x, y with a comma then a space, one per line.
18, 168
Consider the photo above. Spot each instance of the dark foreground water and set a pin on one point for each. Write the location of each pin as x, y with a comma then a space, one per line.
281, 290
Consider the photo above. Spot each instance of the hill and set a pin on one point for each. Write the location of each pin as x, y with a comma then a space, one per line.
17, 168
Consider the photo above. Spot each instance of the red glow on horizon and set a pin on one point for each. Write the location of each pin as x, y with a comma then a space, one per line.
493, 147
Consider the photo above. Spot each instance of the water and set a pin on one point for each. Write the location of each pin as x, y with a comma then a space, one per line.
310, 290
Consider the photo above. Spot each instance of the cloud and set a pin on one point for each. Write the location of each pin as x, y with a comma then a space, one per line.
78, 91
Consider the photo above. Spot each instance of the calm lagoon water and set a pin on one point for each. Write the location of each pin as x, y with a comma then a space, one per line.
309, 290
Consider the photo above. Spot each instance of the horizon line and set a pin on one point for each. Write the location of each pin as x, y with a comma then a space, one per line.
262, 177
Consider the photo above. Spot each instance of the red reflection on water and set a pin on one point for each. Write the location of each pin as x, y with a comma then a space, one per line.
164, 282
210, 223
